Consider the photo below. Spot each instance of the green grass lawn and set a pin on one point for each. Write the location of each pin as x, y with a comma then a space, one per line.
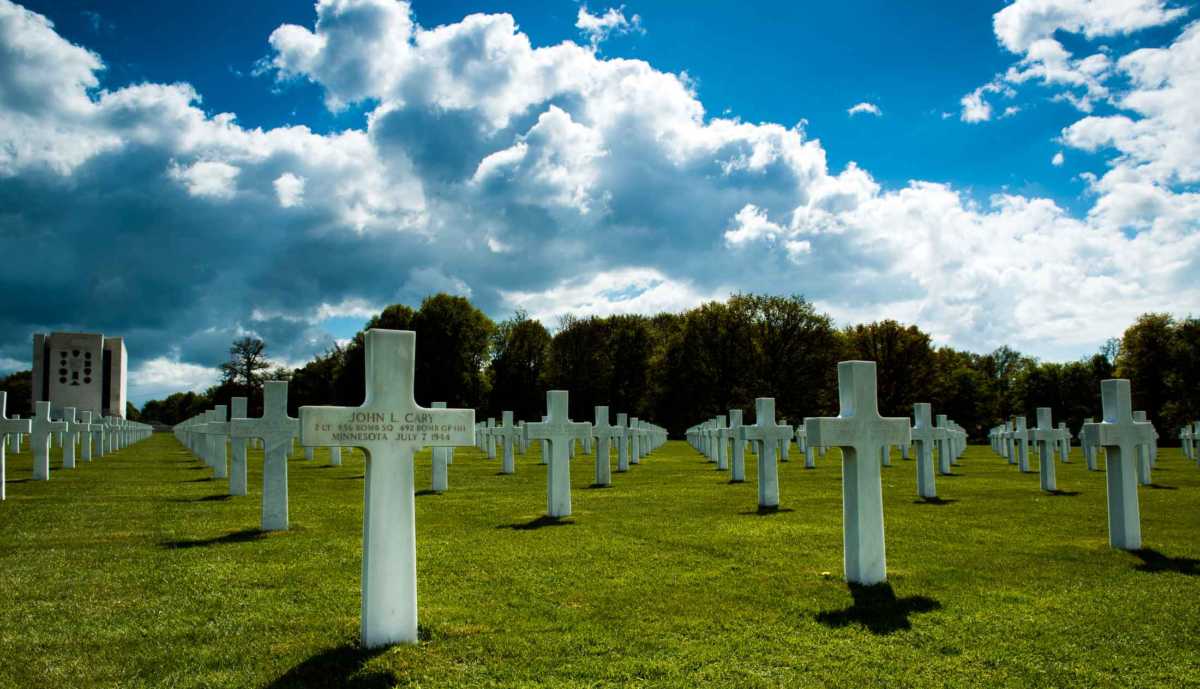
137, 571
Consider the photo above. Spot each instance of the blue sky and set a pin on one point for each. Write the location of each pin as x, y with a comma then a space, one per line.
1016, 173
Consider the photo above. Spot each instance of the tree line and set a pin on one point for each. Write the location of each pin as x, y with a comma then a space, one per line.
681, 368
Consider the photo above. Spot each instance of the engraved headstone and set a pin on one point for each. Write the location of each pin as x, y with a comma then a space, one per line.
860, 431
390, 427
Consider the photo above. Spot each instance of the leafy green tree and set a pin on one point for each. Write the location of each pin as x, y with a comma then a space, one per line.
19, 387
904, 362
1146, 359
453, 339
520, 347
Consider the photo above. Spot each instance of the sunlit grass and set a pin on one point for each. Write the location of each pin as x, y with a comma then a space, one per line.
136, 571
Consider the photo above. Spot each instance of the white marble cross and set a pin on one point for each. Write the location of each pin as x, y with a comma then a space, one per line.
85, 436
635, 441
441, 457
604, 433
737, 457
8, 427
1089, 449
507, 434
622, 436
237, 450
1020, 444
860, 431
1046, 436
41, 427
68, 437
217, 429
945, 445
1120, 435
561, 432
1143, 454
721, 434
276, 429
390, 427
1064, 442
489, 439
925, 434
768, 435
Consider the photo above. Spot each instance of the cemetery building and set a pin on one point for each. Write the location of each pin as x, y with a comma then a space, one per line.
85, 371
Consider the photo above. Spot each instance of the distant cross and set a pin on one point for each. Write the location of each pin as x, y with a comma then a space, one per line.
276, 429
925, 435
217, 429
945, 444
1143, 453
15, 438
860, 431
1064, 442
802, 444
635, 441
605, 433
390, 427
1020, 444
1089, 450
8, 427
441, 457
769, 435
1185, 440
69, 436
560, 431
721, 433
1119, 434
489, 439
622, 435
737, 459
85, 436
41, 427
785, 444
507, 434
237, 449
1045, 436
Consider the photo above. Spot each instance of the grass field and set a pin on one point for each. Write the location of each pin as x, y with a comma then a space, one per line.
137, 571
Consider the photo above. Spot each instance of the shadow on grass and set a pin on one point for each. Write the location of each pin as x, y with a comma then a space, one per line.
18, 480
198, 480
878, 609
342, 667
427, 491
1154, 561
600, 486
952, 474
763, 511
734, 481
1160, 486
243, 536
1063, 493
350, 478
934, 501
207, 498
540, 522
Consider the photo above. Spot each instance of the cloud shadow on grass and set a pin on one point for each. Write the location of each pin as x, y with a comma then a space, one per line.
878, 609
342, 667
1154, 562
243, 536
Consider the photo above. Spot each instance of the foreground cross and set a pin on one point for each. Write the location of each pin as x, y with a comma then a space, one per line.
860, 431
276, 429
39, 440
8, 427
561, 432
390, 427
1120, 436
